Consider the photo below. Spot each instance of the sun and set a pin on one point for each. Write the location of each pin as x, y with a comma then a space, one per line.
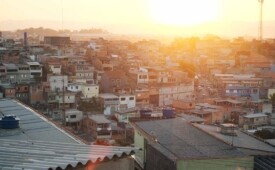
184, 12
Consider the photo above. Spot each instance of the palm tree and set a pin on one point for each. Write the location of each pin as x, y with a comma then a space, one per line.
272, 99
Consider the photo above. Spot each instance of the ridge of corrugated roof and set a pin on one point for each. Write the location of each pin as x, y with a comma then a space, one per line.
52, 155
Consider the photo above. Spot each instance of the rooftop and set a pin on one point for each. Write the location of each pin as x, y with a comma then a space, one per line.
190, 118
99, 118
17, 154
11, 66
242, 140
107, 95
33, 63
178, 139
32, 126
255, 115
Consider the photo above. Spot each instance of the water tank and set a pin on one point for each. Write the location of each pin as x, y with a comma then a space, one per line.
9, 122
168, 112
145, 113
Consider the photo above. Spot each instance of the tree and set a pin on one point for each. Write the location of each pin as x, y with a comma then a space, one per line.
92, 105
265, 134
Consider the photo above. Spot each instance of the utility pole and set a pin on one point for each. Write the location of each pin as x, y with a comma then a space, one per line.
63, 102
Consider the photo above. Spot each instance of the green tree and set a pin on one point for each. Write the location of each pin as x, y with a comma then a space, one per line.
265, 134
92, 105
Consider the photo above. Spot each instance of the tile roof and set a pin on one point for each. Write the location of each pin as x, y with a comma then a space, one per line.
17, 154
178, 139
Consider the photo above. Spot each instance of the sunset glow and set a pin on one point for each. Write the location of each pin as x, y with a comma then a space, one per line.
184, 12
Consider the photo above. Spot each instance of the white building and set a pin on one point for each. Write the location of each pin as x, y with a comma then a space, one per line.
88, 90
73, 116
110, 103
127, 101
55, 68
74, 87
57, 82
35, 69
170, 93
141, 75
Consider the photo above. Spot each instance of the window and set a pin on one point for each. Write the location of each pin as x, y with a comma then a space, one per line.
76, 87
122, 99
88, 89
132, 98
73, 116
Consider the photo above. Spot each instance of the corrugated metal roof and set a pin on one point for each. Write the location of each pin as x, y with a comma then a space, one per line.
33, 126
99, 118
178, 139
16, 154
242, 140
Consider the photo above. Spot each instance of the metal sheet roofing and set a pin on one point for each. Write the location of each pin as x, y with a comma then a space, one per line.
32, 126
99, 118
255, 115
178, 139
242, 140
16, 154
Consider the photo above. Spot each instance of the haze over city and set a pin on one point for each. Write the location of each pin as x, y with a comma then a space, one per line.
137, 84
174, 17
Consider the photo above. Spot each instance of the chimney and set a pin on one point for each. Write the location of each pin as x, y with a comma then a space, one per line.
25, 40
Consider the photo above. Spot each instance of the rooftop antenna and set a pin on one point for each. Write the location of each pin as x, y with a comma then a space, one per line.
260, 33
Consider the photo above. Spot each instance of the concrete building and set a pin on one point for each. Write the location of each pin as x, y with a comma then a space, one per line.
140, 76
127, 101
109, 102
58, 82
8, 90
124, 115
165, 94
57, 40
251, 121
73, 116
55, 67
35, 69
173, 144
88, 90
98, 126
115, 82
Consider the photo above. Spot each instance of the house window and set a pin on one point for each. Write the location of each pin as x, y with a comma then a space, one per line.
88, 89
132, 98
73, 116
123, 99
76, 87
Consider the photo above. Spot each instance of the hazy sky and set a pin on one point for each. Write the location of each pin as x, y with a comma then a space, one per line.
226, 17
